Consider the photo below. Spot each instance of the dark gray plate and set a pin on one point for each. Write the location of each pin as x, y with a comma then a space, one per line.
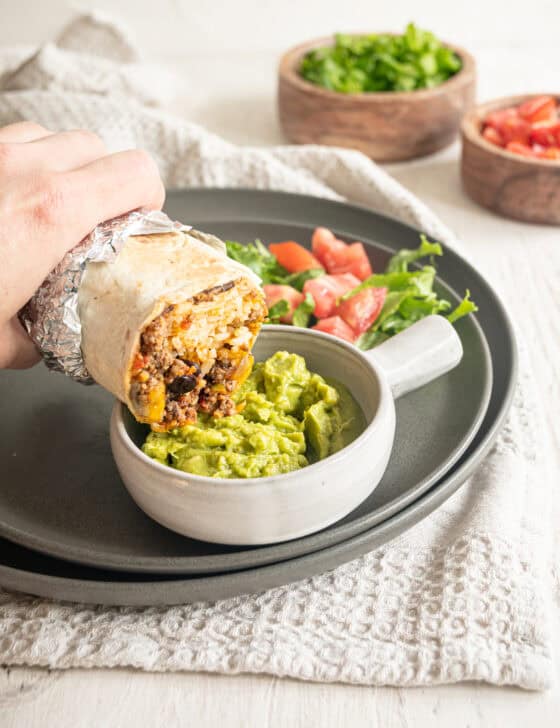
27, 571
61, 494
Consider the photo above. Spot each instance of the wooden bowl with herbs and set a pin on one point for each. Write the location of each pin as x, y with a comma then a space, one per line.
510, 160
393, 97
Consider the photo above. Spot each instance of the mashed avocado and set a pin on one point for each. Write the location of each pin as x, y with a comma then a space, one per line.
287, 418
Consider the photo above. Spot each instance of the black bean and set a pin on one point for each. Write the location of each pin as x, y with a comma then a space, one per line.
182, 385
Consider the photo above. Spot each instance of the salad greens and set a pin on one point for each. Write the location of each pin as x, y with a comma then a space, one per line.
302, 314
277, 310
410, 292
400, 261
410, 295
463, 309
381, 62
260, 260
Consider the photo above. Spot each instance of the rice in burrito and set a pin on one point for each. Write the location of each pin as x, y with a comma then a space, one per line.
168, 326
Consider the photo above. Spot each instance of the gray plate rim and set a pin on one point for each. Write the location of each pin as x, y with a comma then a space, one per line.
269, 554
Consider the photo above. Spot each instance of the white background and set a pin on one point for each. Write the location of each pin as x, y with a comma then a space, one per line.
225, 55
217, 26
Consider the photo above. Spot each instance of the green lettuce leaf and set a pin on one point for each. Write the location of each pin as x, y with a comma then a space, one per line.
303, 312
371, 339
463, 309
297, 280
400, 261
421, 281
257, 257
260, 260
277, 310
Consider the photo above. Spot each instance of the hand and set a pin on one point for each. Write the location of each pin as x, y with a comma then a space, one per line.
54, 189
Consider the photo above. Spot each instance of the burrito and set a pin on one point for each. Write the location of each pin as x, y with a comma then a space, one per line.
168, 326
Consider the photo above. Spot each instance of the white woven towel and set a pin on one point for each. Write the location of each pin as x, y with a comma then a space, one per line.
462, 596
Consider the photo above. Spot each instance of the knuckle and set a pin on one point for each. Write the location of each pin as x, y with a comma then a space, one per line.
51, 200
143, 163
145, 167
32, 127
88, 138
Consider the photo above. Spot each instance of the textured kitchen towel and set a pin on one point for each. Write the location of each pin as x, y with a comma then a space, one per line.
462, 596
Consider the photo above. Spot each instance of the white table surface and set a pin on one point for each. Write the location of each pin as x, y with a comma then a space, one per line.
225, 54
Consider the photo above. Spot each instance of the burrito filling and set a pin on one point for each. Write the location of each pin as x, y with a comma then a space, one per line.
195, 354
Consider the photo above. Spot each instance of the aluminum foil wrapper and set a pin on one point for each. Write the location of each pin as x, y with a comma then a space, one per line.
51, 316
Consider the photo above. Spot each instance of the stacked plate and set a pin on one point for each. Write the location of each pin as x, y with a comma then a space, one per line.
69, 528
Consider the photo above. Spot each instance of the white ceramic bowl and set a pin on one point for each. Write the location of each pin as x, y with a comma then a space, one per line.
278, 508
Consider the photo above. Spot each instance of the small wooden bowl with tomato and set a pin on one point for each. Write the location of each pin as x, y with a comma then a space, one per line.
511, 157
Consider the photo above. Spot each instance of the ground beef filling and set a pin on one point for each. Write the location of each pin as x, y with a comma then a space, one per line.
187, 389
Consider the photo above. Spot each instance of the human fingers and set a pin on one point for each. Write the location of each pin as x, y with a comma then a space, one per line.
61, 152
52, 212
114, 185
22, 131
64, 151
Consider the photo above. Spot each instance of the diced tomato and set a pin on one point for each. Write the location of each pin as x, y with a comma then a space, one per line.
550, 153
138, 363
325, 291
518, 148
293, 256
515, 130
356, 262
328, 249
339, 257
321, 237
541, 108
493, 136
531, 130
336, 327
547, 135
496, 119
361, 310
274, 293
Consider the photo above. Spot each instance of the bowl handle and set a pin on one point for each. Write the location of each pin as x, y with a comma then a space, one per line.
426, 350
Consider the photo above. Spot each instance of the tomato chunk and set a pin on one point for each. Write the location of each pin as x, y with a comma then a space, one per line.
339, 257
531, 129
356, 262
325, 291
550, 153
139, 362
496, 119
515, 130
328, 249
336, 327
518, 148
541, 108
360, 311
493, 136
293, 256
547, 135
274, 292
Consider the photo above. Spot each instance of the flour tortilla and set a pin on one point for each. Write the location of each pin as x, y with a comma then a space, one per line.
117, 300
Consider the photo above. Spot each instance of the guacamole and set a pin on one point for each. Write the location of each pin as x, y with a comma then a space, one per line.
287, 417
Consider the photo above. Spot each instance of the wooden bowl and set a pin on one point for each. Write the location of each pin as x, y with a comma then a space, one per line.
387, 126
509, 184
